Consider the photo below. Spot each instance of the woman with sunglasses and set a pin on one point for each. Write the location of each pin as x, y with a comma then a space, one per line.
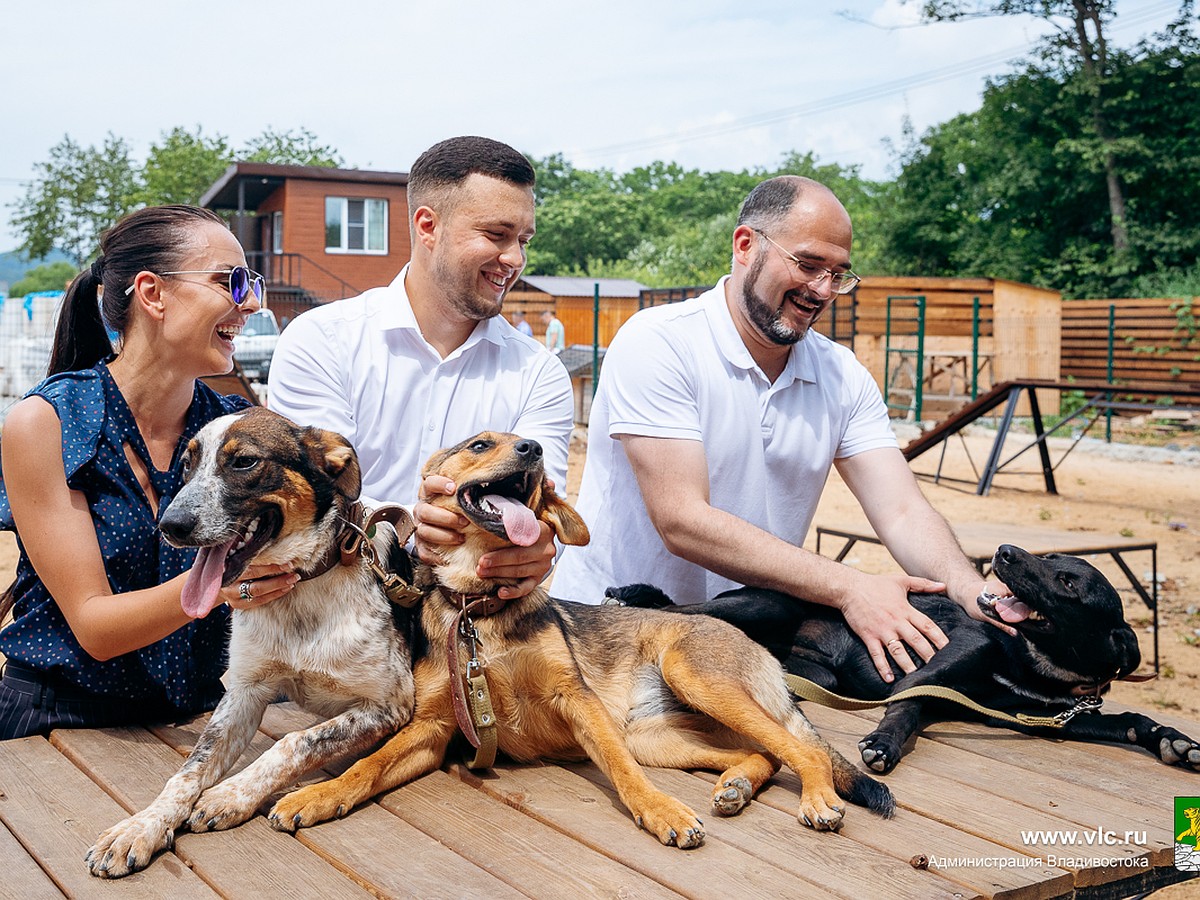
90, 459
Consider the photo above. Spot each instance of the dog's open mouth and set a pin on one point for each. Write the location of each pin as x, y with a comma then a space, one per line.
500, 507
1011, 611
220, 564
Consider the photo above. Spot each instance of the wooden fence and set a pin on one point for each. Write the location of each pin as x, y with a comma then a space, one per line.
1151, 340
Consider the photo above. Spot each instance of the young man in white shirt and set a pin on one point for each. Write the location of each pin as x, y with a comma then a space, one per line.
715, 426
427, 361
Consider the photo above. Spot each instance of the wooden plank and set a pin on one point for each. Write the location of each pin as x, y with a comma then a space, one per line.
55, 811
396, 859
1038, 786
22, 876
466, 829
990, 815
594, 816
775, 836
132, 766
966, 859
516, 848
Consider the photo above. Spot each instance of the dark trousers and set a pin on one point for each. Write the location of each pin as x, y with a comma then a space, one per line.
35, 702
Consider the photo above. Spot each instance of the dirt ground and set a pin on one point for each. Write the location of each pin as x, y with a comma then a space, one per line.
1149, 493
1136, 491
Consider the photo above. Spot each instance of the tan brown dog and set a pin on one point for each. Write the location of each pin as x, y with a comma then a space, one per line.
569, 681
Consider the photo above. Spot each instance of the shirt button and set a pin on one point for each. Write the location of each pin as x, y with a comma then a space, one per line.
431, 426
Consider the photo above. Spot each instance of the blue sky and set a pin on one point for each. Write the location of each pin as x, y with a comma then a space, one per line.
710, 84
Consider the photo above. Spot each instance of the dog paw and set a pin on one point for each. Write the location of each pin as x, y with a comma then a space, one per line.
128, 846
304, 807
1177, 749
820, 813
732, 797
880, 752
221, 807
673, 823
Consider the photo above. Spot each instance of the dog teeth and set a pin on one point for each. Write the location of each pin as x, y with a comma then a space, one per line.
250, 529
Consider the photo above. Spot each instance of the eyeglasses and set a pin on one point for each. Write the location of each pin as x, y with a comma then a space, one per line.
839, 282
241, 282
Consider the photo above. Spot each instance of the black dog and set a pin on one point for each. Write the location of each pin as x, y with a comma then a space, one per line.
1072, 641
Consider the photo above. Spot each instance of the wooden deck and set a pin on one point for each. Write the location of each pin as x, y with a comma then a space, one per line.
965, 794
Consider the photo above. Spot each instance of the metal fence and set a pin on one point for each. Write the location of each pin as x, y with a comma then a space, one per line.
26, 333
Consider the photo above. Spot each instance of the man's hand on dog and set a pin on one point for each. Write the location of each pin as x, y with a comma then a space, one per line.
437, 526
878, 611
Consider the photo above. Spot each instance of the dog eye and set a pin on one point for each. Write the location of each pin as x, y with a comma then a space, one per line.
481, 446
1068, 582
243, 463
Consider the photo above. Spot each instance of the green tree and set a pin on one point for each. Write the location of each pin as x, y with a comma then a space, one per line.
298, 147
181, 166
81, 191
1017, 189
74, 196
50, 277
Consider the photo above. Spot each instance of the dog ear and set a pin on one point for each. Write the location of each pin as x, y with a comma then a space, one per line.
335, 456
568, 525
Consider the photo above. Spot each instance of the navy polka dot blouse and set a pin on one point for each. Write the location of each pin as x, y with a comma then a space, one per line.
182, 669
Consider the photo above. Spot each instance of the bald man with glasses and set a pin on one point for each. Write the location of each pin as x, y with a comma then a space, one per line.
714, 429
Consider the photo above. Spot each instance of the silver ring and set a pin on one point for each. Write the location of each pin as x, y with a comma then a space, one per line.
244, 592
891, 645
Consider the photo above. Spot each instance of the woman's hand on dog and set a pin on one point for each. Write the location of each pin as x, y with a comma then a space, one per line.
878, 611
264, 584
441, 527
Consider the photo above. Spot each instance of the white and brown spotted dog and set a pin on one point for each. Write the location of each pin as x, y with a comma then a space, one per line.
261, 488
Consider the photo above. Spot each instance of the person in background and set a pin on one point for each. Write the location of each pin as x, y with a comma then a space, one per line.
714, 429
93, 455
555, 333
428, 361
521, 324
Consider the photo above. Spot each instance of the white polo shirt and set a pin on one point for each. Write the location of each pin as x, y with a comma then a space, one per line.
362, 368
682, 371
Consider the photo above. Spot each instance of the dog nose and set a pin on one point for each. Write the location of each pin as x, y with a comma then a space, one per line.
177, 523
528, 449
1006, 553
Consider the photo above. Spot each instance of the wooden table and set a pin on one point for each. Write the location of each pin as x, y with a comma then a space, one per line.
980, 540
967, 797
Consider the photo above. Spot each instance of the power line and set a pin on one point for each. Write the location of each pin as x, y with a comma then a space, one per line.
851, 98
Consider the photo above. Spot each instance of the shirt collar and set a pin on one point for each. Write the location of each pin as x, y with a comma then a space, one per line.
400, 316
800, 366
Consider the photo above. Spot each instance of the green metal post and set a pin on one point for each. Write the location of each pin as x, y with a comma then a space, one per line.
920, 367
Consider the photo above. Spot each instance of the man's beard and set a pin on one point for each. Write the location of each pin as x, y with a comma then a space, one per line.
462, 296
767, 319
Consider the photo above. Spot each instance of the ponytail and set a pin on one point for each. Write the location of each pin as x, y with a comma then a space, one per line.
80, 338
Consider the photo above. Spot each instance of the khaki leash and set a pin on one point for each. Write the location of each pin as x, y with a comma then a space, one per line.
810, 690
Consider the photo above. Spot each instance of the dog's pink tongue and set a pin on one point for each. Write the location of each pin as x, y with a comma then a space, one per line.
1012, 610
520, 524
199, 594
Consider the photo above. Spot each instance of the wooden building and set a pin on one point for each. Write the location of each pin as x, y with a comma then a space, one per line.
317, 234
963, 336
573, 301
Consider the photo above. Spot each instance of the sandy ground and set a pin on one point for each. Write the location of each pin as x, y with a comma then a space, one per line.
1147, 493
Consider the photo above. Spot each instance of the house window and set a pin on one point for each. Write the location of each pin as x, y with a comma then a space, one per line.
277, 233
355, 226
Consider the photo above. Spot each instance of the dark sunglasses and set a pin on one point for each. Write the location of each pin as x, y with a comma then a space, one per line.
241, 282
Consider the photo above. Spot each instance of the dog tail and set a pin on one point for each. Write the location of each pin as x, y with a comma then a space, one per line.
858, 787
